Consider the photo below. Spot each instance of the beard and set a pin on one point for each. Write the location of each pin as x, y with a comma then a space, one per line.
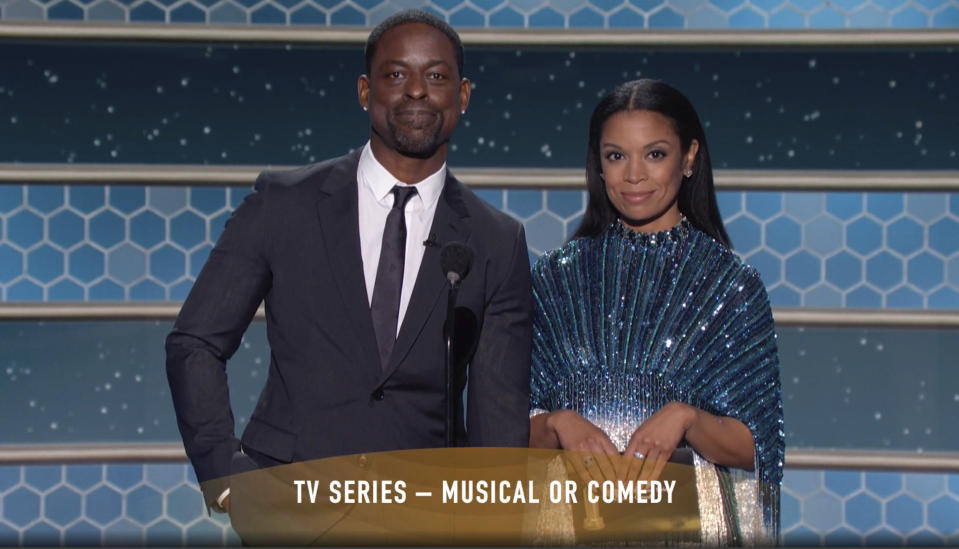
420, 138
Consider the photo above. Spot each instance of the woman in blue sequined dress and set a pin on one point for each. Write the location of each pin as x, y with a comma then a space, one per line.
650, 334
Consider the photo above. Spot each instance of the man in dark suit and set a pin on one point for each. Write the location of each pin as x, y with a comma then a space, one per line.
346, 256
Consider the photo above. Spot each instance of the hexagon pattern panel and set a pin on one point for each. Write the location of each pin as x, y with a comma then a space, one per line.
852, 250
651, 14
116, 504
837, 508
813, 249
160, 504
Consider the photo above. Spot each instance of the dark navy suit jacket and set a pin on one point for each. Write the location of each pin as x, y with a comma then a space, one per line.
294, 245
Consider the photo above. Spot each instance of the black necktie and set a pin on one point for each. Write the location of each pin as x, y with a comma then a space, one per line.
385, 307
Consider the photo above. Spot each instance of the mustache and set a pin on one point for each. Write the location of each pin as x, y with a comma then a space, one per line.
416, 105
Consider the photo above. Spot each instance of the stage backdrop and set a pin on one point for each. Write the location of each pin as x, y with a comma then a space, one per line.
811, 108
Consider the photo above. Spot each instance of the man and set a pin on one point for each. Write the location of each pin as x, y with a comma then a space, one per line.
346, 255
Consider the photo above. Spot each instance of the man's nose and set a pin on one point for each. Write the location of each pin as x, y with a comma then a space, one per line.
416, 87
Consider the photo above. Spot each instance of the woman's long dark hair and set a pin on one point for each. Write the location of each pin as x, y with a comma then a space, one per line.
697, 195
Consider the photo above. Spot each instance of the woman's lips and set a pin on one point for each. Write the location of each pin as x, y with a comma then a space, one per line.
637, 198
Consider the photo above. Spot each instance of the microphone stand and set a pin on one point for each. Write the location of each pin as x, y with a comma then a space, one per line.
454, 280
455, 261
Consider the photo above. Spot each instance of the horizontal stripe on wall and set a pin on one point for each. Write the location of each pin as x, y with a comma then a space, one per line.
784, 316
796, 458
507, 178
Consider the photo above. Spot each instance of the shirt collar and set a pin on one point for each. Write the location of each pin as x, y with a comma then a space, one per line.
380, 182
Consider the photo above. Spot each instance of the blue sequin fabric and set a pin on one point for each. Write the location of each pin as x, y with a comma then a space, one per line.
626, 322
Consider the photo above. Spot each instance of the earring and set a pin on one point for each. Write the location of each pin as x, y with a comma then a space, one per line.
688, 174
602, 176
463, 111
366, 108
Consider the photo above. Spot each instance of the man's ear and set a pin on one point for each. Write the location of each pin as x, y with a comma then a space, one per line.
465, 89
363, 91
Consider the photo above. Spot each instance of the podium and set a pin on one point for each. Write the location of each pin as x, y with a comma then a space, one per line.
471, 496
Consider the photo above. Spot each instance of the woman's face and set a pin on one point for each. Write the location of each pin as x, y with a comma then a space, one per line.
643, 165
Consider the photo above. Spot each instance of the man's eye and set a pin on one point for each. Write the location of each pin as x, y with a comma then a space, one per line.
437, 76
394, 74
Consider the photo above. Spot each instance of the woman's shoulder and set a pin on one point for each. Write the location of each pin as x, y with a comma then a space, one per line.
563, 256
568, 257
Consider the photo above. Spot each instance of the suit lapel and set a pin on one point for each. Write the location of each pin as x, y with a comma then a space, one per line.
450, 223
339, 219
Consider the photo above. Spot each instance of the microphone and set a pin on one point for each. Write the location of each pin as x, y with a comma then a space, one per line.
431, 241
455, 259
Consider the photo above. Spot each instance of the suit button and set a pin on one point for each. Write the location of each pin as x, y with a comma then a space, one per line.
378, 394
363, 460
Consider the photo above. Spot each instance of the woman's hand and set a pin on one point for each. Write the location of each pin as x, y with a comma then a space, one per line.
720, 439
653, 443
597, 457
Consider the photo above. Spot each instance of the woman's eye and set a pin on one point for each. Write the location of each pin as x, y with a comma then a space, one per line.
614, 156
656, 155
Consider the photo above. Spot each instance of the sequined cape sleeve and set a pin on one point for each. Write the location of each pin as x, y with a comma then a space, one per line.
679, 318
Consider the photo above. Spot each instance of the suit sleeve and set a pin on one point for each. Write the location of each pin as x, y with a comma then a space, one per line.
207, 332
498, 394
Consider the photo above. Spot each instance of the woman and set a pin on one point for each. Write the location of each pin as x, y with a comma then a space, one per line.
649, 333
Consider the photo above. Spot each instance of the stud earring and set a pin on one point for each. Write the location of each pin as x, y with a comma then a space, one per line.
366, 108
463, 111
688, 174
602, 176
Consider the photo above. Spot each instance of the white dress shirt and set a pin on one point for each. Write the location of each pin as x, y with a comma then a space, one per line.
375, 185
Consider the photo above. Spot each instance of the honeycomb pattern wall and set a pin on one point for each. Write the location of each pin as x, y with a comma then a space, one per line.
813, 249
587, 14
852, 250
114, 504
99, 243
870, 508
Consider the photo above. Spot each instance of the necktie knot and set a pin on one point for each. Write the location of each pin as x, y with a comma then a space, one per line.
402, 195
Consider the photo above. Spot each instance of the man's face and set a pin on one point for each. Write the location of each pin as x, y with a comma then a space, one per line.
414, 93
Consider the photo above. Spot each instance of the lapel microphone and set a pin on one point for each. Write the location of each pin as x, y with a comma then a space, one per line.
431, 241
